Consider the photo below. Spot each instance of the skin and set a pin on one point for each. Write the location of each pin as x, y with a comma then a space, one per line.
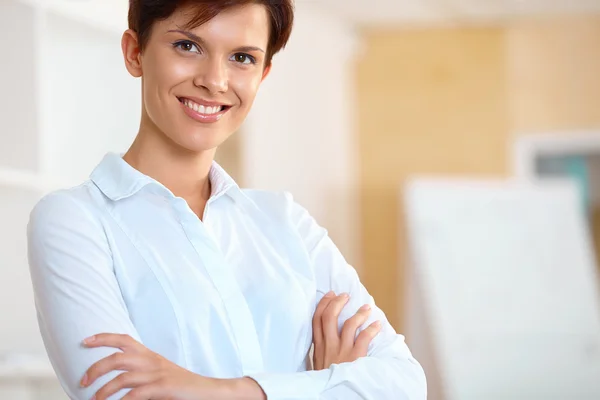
332, 346
171, 147
224, 63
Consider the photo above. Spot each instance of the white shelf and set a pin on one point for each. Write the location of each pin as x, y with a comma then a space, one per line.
19, 122
110, 16
31, 181
67, 99
26, 367
90, 107
18, 330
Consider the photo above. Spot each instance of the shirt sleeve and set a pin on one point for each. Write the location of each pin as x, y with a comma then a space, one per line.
75, 289
388, 372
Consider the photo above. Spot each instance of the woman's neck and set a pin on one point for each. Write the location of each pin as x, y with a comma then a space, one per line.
184, 173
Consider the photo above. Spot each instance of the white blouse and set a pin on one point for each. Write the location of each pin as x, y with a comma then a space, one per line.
230, 296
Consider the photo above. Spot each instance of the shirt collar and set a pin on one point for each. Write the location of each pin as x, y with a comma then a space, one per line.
119, 180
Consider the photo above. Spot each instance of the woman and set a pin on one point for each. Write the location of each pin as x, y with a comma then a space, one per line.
183, 285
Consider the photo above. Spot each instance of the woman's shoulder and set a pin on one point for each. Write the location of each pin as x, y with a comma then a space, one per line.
281, 206
259, 197
286, 212
76, 205
276, 203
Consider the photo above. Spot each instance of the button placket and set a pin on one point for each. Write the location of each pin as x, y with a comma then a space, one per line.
225, 282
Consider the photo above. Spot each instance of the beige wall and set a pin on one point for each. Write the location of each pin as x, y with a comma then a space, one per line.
430, 101
448, 101
554, 74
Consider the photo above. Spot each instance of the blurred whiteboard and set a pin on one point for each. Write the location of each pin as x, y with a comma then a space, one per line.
506, 273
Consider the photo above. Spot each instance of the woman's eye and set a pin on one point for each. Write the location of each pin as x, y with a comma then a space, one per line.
243, 58
187, 47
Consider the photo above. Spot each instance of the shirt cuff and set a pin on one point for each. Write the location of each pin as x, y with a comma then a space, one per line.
293, 386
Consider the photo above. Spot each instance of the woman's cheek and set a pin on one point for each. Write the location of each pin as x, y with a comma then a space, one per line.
246, 88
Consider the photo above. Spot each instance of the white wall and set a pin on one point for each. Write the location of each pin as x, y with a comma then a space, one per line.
92, 104
299, 136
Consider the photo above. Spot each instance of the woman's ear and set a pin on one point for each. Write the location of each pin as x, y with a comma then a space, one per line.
131, 53
266, 72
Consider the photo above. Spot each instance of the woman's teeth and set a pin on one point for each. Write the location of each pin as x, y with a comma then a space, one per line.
202, 109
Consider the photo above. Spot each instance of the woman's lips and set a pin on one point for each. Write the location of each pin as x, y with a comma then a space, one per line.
205, 113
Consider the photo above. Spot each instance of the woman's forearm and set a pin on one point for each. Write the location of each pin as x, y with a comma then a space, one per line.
242, 389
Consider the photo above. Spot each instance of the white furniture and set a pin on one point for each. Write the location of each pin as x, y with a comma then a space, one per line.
505, 292
28, 378
66, 100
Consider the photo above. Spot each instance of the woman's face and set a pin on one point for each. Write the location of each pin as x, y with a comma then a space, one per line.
198, 85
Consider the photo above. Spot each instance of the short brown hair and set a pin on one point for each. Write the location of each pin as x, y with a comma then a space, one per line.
144, 13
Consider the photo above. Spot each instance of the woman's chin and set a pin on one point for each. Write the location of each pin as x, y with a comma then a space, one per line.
201, 141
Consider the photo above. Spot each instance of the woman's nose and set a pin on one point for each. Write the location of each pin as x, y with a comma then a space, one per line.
213, 76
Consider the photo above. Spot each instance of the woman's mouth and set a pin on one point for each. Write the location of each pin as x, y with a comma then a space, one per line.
205, 113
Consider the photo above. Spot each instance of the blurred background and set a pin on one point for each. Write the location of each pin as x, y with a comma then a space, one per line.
368, 97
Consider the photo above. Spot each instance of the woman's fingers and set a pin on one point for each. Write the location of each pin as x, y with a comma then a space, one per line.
331, 316
116, 362
332, 347
318, 340
126, 380
125, 361
352, 324
118, 341
143, 393
361, 345
317, 321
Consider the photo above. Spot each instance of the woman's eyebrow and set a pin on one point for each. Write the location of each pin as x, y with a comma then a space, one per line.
249, 48
198, 39
190, 35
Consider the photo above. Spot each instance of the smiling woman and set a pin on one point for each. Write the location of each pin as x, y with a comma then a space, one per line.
231, 46
159, 278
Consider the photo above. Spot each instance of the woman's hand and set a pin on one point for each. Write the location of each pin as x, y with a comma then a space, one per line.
331, 347
149, 375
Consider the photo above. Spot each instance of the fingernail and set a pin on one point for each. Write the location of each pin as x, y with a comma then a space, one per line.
377, 324
89, 340
330, 294
365, 307
344, 295
84, 380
